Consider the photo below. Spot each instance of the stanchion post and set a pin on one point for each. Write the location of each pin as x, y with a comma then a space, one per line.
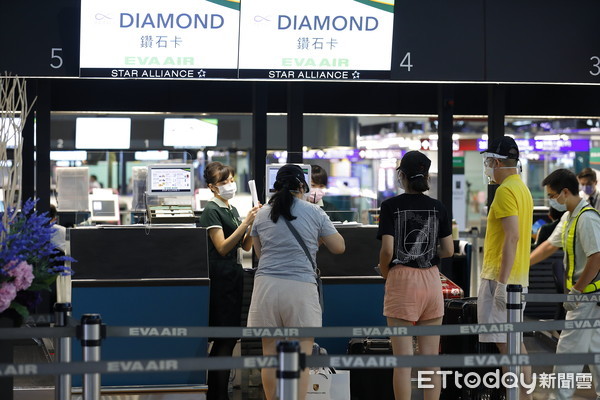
62, 312
514, 339
91, 336
288, 371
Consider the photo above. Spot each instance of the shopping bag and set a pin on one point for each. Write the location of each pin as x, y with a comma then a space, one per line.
328, 384
340, 385
319, 385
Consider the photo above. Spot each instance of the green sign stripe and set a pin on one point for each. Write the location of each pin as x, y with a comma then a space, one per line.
458, 162
595, 155
384, 6
233, 4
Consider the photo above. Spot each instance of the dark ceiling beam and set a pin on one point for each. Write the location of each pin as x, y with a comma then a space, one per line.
320, 97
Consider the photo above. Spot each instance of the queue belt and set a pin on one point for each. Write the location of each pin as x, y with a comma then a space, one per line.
340, 362
331, 331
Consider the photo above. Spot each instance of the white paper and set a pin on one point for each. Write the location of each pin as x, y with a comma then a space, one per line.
253, 192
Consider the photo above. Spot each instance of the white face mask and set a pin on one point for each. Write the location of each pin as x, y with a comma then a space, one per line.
489, 172
556, 205
228, 190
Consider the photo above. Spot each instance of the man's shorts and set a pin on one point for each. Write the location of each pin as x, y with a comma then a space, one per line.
284, 302
489, 313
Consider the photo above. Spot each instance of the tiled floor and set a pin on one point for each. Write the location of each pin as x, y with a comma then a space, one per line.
41, 388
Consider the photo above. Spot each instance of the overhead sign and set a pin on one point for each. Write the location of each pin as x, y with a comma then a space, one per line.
544, 145
549, 41
40, 38
315, 39
439, 40
160, 40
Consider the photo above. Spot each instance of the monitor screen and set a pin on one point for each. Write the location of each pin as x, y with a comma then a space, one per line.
165, 179
102, 133
272, 175
104, 209
537, 225
190, 132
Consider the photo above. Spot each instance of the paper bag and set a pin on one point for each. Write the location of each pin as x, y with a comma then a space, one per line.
328, 384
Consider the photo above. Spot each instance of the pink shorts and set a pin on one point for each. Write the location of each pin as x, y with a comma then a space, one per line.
413, 294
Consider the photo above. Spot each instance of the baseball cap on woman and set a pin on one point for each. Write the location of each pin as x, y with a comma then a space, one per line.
291, 172
414, 164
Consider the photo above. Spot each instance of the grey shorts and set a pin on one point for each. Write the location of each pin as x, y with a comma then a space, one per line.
284, 302
489, 313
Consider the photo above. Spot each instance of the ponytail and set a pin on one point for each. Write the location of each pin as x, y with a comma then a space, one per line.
282, 201
419, 184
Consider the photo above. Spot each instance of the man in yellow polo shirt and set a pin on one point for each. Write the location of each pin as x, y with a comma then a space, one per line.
507, 241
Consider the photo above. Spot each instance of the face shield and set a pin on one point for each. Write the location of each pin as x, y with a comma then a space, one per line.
489, 166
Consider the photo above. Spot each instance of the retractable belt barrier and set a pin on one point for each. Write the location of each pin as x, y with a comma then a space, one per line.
91, 332
335, 361
338, 331
558, 298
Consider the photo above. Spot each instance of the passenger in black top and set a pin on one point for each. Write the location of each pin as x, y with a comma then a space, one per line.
415, 233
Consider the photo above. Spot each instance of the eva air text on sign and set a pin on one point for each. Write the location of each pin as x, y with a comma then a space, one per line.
313, 39
187, 39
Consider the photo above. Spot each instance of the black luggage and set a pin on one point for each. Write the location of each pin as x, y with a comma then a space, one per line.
464, 311
371, 383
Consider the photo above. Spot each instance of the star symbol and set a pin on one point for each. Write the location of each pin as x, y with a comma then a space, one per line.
356, 75
202, 74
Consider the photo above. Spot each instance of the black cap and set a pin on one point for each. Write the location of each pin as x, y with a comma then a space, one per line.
504, 146
293, 173
414, 164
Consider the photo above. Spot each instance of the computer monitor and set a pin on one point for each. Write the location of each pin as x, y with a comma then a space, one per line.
104, 210
190, 133
102, 133
170, 180
271, 176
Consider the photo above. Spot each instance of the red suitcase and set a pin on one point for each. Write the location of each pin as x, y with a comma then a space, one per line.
450, 289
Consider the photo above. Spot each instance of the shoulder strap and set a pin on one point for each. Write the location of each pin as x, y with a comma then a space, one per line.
300, 241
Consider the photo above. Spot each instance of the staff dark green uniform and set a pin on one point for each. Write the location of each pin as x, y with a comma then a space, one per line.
226, 273
228, 234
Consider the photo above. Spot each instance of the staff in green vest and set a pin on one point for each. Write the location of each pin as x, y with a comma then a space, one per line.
578, 234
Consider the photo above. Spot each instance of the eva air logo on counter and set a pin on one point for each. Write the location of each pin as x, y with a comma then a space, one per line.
382, 5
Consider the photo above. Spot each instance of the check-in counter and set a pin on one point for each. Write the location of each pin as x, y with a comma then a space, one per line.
143, 276
352, 289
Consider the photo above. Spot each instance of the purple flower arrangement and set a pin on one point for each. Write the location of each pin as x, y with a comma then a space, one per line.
29, 262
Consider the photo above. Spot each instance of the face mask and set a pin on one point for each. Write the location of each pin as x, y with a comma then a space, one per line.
587, 189
557, 206
315, 195
489, 172
228, 190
